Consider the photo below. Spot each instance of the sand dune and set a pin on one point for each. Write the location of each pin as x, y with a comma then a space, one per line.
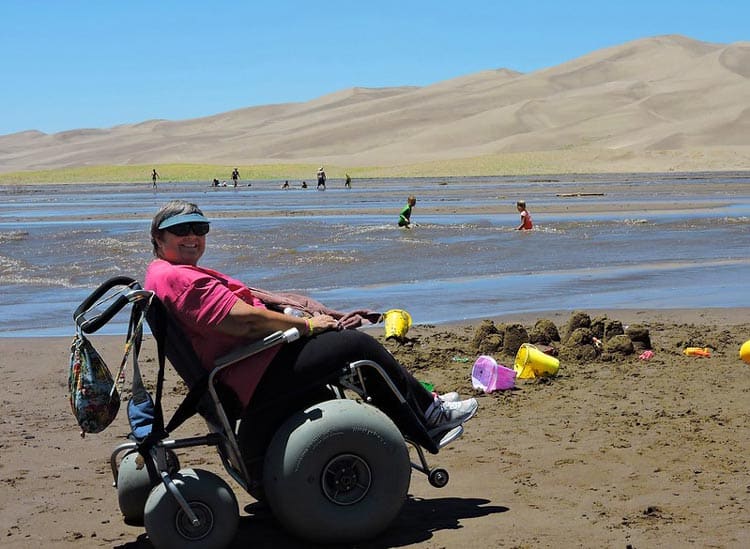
667, 93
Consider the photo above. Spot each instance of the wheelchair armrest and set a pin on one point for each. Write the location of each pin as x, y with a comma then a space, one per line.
292, 334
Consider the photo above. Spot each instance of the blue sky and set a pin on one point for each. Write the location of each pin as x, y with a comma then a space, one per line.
99, 63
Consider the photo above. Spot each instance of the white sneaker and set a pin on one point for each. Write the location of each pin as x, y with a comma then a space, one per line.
444, 416
453, 396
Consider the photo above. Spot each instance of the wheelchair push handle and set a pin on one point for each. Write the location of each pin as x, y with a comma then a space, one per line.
91, 325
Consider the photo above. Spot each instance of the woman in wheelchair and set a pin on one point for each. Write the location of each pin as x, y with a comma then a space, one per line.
218, 313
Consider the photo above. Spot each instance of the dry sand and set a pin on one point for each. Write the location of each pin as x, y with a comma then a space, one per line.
617, 453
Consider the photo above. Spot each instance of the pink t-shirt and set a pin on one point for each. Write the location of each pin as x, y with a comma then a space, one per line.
199, 299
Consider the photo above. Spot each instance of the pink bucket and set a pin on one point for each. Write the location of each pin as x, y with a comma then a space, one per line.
487, 375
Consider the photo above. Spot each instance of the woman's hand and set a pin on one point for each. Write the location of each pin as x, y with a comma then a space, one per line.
255, 322
322, 323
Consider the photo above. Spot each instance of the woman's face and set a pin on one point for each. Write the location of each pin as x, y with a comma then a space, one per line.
181, 250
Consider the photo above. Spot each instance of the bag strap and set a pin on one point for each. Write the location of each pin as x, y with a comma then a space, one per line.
134, 339
161, 352
157, 430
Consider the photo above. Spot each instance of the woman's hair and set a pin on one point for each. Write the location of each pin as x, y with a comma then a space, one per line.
170, 209
521, 203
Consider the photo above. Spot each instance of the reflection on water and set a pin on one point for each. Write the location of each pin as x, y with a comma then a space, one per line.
343, 246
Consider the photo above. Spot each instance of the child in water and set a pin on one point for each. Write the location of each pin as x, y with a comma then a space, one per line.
526, 223
404, 218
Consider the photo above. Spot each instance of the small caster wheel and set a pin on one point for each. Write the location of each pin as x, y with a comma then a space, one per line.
438, 478
134, 484
210, 499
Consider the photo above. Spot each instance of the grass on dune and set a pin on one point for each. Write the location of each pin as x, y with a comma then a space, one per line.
167, 173
521, 164
506, 164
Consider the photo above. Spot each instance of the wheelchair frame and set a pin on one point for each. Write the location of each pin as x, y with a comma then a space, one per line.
223, 436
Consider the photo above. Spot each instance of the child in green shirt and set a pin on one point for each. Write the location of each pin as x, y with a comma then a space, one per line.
404, 218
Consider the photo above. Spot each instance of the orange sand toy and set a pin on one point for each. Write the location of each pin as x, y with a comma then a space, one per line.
697, 351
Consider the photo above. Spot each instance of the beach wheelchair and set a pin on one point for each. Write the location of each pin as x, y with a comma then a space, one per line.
335, 470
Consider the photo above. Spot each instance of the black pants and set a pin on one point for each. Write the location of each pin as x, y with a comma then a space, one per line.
297, 376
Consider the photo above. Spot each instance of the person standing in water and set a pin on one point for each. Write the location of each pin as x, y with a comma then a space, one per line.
348, 182
321, 179
235, 176
404, 218
154, 177
526, 223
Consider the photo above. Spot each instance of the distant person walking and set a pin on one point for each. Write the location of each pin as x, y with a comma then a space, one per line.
348, 182
154, 177
526, 223
321, 179
404, 218
235, 176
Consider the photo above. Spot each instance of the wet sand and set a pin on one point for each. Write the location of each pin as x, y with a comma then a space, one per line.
609, 453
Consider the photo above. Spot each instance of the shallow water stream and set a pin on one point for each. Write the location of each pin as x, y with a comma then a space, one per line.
600, 242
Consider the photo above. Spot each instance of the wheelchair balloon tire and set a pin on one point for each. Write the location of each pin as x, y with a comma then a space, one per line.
337, 472
209, 497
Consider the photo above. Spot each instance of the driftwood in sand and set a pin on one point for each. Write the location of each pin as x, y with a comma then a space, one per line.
572, 195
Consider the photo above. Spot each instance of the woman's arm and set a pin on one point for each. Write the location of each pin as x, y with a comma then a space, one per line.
244, 320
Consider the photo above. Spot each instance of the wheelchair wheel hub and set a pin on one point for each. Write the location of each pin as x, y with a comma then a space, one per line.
195, 532
346, 479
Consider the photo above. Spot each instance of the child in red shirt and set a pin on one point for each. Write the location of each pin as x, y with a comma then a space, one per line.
526, 223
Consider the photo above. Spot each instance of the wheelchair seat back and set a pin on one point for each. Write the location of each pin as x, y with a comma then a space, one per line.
183, 358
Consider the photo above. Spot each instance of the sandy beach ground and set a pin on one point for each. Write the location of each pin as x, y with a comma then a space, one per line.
612, 452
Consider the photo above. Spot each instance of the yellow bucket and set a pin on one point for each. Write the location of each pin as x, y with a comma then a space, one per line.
531, 362
397, 323
745, 351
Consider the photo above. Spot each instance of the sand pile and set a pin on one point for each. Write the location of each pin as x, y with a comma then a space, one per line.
583, 338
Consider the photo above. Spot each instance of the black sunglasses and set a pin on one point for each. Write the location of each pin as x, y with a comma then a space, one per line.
183, 229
